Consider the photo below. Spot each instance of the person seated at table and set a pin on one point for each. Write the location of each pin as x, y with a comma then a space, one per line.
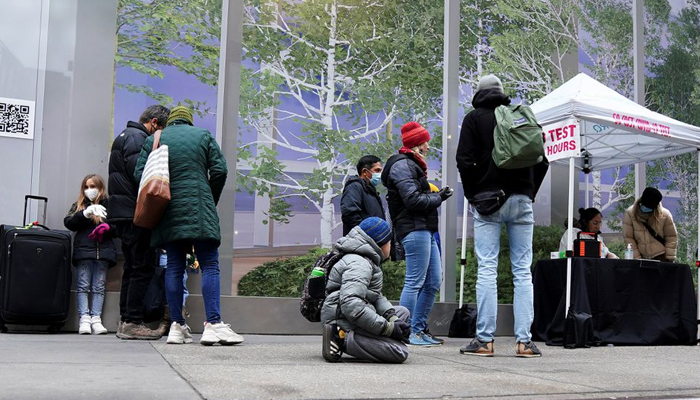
649, 228
590, 220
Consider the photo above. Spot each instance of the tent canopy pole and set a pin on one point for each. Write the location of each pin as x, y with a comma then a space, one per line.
570, 234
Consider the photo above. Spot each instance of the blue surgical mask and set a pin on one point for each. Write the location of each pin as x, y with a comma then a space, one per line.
645, 209
376, 178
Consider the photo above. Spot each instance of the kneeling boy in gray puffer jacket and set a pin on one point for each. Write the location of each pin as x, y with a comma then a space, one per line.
357, 318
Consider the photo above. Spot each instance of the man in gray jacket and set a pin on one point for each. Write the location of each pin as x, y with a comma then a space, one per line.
358, 319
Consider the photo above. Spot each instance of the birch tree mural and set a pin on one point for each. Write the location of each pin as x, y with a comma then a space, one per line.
336, 66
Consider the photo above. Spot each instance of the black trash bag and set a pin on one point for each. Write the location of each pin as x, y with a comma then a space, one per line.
154, 300
463, 323
578, 330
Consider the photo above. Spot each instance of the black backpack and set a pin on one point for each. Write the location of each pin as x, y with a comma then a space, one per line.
314, 293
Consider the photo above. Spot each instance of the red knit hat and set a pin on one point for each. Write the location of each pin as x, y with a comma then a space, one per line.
413, 134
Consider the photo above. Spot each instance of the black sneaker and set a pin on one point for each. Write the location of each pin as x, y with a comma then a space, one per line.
332, 343
478, 348
527, 350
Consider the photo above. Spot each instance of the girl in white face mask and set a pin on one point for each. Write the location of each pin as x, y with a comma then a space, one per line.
93, 250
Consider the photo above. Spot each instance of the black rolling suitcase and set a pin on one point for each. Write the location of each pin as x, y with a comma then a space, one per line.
35, 274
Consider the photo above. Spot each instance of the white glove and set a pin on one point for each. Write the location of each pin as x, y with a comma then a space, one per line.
99, 210
89, 211
96, 210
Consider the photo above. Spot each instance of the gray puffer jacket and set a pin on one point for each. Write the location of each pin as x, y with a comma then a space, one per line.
355, 285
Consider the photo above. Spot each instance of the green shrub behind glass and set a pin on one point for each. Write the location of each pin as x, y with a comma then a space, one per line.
285, 277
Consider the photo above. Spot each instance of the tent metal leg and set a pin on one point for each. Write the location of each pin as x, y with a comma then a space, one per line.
588, 201
463, 257
697, 254
570, 235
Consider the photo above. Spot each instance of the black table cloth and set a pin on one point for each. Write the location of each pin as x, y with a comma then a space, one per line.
632, 302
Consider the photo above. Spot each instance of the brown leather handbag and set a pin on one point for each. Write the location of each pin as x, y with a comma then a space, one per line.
154, 188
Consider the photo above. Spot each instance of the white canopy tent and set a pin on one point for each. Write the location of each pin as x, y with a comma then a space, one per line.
594, 128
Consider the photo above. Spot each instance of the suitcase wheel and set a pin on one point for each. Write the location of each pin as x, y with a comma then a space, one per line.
54, 328
3, 329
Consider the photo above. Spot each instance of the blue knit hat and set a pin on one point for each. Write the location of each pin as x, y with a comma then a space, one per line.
377, 229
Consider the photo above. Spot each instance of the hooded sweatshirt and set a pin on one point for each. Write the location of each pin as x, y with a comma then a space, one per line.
474, 161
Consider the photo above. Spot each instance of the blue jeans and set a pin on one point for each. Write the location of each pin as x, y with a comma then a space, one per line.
164, 264
517, 214
92, 275
208, 256
423, 277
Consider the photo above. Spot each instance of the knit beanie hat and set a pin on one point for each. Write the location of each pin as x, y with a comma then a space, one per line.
651, 197
377, 229
180, 112
489, 81
413, 134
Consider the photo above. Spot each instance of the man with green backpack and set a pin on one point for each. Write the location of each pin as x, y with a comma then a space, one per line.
501, 162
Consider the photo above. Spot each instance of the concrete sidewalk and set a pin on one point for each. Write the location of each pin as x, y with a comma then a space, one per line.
69, 366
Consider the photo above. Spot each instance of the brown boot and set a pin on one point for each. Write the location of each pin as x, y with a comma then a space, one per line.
139, 332
164, 326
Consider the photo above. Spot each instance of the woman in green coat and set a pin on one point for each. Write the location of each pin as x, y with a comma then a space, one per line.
197, 176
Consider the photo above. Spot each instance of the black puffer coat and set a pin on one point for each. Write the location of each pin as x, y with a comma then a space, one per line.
85, 248
411, 204
123, 188
360, 200
474, 161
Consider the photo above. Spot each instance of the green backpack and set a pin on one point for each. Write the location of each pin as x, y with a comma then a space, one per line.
518, 141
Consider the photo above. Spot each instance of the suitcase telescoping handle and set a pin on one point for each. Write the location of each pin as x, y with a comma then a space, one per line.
26, 203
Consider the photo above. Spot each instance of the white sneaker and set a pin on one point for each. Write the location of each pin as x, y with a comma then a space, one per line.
84, 328
97, 327
179, 334
219, 333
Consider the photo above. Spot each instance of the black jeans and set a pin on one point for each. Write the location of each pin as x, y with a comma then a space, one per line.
139, 266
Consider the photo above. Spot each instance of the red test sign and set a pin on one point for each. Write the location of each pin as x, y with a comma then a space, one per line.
562, 140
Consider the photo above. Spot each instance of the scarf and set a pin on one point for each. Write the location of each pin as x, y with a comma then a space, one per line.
418, 159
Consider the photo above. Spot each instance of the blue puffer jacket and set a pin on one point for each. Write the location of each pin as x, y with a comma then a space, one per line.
355, 286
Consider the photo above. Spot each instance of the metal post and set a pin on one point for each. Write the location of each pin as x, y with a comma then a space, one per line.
463, 258
697, 256
448, 216
640, 169
227, 127
588, 180
570, 235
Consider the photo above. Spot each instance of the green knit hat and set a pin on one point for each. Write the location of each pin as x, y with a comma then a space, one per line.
180, 112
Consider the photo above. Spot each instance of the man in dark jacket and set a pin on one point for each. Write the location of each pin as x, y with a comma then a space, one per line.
360, 199
517, 187
139, 257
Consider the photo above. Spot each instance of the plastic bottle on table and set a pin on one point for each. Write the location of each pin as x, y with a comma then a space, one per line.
629, 253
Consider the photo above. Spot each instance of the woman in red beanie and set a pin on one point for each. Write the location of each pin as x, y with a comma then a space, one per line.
413, 210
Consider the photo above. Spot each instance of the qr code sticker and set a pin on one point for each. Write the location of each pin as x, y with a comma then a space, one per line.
16, 118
